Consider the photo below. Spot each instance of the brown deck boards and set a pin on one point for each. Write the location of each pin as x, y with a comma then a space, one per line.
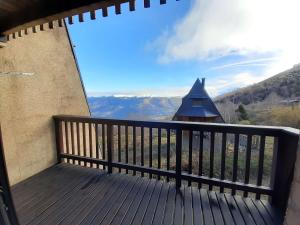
67, 194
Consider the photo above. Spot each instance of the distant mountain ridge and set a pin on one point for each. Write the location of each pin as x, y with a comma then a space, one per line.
285, 85
153, 108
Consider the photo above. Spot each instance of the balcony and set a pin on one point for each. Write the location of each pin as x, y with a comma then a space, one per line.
148, 172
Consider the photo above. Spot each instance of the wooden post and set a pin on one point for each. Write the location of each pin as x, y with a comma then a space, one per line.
283, 163
58, 138
178, 157
110, 146
9, 212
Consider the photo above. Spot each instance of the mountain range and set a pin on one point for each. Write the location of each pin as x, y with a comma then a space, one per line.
283, 87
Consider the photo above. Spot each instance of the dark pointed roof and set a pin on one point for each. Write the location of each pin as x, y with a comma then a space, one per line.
207, 107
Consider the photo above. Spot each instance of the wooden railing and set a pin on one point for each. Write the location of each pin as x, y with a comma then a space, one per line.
248, 160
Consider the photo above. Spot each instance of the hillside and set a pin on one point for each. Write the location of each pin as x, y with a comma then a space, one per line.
283, 86
152, 108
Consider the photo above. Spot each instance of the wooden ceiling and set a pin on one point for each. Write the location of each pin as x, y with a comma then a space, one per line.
17, 16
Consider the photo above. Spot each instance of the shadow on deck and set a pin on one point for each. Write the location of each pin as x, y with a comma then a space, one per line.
69, 194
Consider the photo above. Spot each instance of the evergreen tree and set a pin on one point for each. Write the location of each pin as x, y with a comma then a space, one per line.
242, 113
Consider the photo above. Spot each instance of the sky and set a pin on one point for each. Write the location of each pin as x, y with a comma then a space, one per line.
162, 50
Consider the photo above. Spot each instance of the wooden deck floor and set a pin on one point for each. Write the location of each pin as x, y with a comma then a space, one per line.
68, 194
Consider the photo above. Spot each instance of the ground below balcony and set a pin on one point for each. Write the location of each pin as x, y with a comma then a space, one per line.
69, 194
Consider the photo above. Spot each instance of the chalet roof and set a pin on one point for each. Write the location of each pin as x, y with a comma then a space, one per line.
207, 107
16, 16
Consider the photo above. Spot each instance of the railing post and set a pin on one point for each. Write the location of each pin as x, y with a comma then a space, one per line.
285, 151
110, 146
178, 157
58, 138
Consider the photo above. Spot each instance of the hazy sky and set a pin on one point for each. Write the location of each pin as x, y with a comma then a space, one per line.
160, 51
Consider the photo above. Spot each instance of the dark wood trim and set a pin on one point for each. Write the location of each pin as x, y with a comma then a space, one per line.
5, 193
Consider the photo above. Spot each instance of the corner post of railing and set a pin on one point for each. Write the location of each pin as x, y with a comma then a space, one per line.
110, 146
58, 138
285, 152
178, 157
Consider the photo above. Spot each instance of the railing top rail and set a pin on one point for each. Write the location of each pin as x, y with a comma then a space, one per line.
217, 127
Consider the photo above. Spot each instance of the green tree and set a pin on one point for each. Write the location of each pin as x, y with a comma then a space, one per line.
242, 113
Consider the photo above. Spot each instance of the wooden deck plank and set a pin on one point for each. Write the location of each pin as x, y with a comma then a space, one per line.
254, 212
40, 193
69, 203
179, 203
234, 209
120, 216
170, 206
263, 212
118, 204
207, 213
143, 196
114, 202
140, 212
215, 208
161, 206
81, 212
274, 213
55, 193
197, 208
244, 210
24, 193
72, 195
115, 190
148, 217
228, 219
188, 206
61, 210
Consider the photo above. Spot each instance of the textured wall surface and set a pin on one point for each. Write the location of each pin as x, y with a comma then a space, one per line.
27, 102
293, 210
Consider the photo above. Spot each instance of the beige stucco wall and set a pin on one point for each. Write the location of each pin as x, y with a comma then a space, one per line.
293, 210
27, 103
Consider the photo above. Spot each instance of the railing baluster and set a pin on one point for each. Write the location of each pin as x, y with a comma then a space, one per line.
168, 151
67, 140
248, 158
134, 146
211, 157
261, 162
178, 157
159, 150
126, 146
59, 139
72, 141
84, 142
235, 160
190, 166
223, 157
119, 146
91, 142
200, 156
150, 150
103, 142
97, 143
78, 141
110, 147
142, 148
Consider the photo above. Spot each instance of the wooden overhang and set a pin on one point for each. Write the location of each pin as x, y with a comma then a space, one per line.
17, 16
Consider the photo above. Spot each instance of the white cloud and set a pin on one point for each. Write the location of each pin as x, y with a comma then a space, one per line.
154, 92
214, 87
221, 85
252, 28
